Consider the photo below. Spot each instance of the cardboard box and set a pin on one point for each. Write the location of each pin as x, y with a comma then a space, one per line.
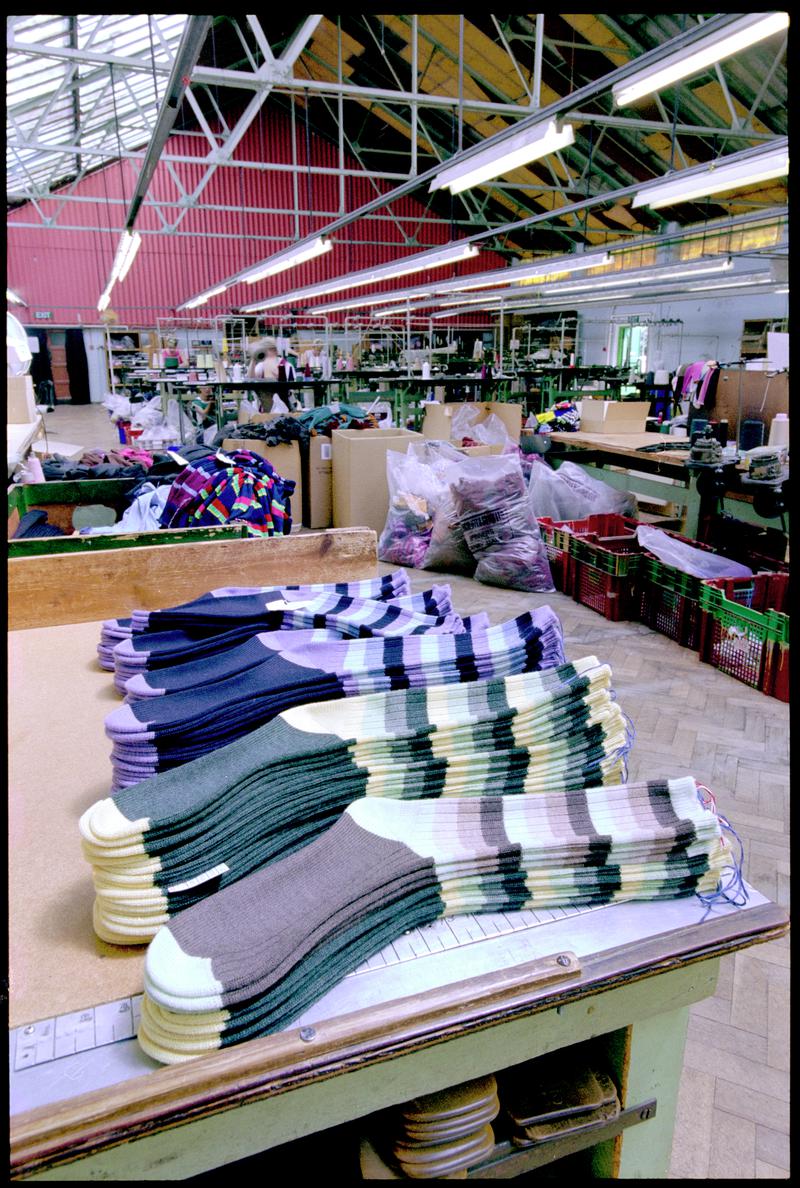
438, 417
360, 488
318, 484
315, 464
286, 460
614, 416
21, 402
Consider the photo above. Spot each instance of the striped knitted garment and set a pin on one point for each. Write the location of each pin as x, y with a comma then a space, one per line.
391, 585
244, 486
155, 734
342, 616
250, 959
163, 844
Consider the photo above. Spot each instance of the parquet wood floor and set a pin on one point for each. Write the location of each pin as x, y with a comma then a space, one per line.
690, 719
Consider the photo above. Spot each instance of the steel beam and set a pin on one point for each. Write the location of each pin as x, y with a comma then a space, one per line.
536, 97
587, 117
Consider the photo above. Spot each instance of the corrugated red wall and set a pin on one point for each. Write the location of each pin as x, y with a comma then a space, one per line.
65, 271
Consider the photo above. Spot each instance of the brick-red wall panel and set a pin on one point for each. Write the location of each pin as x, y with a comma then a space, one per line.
66, 270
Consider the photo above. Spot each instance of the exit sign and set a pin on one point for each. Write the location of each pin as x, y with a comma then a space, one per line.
43, 314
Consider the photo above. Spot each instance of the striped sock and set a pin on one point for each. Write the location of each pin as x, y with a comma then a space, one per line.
156, 734
252, 957
343, 617
162, 844
391, 585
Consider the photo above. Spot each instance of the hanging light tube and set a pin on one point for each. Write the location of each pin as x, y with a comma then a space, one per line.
14, 298
128, 246
436, 258
287, 259
478, 280
624, 294
751, 29
528, 145
202, 298
640, 277
715, 178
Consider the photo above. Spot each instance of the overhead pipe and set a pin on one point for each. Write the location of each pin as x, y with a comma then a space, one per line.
191, 43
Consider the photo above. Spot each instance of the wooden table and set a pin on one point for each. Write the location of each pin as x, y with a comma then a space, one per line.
663, 474
380, 1037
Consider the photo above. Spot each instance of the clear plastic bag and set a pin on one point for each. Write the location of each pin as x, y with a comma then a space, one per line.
466, 422
500, 530
414, 491
697, 562
447, 549
569, 493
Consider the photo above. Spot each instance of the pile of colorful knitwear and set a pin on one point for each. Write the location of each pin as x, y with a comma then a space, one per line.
246, 487
250, 959
189, 619
153, 734
338, 615
162, 845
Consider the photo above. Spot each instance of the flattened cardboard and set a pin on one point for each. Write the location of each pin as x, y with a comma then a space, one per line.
58, 767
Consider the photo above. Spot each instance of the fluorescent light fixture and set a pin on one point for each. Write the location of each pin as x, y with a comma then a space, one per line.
513, 151
783, 290
737, 36
640, 277
129, 245
203, 297
478, 280
434, 258
372, 299
714, 179
674, 289
14, 299
288, 259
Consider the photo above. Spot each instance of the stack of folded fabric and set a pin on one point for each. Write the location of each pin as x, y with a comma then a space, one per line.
251, 958
160, 846
215, 489
157, 733
391, 585
341, 616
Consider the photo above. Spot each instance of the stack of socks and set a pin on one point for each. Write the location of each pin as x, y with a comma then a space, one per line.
170, 841
247, 961
391, 585
342, 617
155, 734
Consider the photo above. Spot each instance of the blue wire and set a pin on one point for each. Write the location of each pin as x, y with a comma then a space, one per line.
730, 889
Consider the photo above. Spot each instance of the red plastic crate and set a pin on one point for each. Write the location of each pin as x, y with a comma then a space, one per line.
613, 597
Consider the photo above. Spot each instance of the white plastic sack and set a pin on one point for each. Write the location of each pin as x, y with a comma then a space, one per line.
696, 562
118, 406
569, 493
500, 529
279, 405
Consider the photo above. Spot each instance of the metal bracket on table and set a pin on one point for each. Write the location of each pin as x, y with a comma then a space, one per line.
508, 1161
